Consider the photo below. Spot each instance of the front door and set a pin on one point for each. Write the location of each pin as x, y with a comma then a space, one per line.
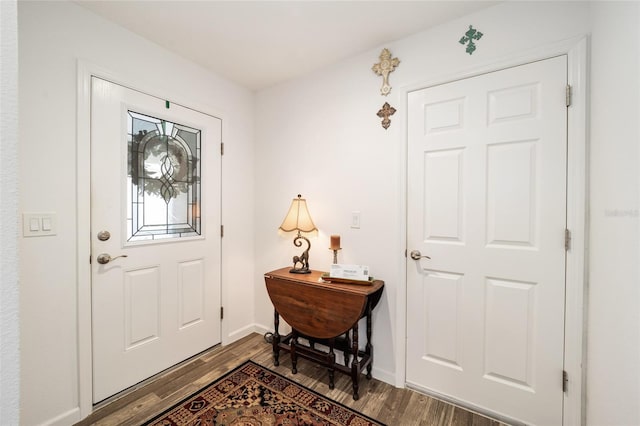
487, 203
155, 235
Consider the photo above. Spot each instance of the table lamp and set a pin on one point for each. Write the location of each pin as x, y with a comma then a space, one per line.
299, 219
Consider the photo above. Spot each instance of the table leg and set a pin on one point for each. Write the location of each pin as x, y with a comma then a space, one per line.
332, 361
355, 364
294, 356
369, 348
276, 338
346, 350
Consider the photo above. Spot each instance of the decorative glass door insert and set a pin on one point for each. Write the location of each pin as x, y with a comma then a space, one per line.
163, 179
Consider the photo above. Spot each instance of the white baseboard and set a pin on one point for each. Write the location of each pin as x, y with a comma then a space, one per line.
253, 328
384, 376
65, 419
241, 332
283, 329
261, 329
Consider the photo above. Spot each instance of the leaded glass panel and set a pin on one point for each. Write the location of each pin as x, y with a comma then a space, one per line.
164, 179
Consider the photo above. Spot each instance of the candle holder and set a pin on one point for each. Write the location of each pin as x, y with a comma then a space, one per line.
335, 246
335, 254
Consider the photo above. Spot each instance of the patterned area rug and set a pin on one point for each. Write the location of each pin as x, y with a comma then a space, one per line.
252, 395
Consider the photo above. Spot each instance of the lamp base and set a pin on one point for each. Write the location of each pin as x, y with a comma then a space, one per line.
303, 259
299, 271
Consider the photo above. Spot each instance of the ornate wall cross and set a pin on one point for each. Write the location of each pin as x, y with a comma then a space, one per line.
385, 112
383, 68
471, 35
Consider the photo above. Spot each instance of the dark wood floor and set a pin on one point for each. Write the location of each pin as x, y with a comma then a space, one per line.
390, 405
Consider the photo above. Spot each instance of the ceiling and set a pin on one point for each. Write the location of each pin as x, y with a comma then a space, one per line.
259, 44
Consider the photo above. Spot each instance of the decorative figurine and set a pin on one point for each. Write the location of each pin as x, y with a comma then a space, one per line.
303, 259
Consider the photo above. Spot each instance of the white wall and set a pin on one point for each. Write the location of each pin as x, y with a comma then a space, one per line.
9, 327
52, 37
319, 135
613, 365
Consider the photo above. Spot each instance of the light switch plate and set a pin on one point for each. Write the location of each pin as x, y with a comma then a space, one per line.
355, 220
39, 224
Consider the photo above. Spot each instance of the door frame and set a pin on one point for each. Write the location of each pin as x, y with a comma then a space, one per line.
576, 49
85, 71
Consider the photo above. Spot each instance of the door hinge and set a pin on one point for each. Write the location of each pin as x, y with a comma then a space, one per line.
221, 312
565, 381
567, 239
221, 231
568, 95
222, 148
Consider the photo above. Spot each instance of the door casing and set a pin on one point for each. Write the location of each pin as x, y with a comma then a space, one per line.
576, 285
85, 70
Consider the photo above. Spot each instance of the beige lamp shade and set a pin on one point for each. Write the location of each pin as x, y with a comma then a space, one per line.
298, 217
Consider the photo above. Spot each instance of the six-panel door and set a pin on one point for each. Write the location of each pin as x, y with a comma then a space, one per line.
487, 203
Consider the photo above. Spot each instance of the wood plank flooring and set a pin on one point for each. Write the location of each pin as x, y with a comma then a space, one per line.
390, 405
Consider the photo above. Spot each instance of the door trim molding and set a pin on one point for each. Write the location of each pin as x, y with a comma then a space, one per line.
576, 49
85, 71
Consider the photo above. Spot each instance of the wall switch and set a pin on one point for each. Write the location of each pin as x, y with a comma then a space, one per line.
38, 224
46, 223
34, 224
355, 220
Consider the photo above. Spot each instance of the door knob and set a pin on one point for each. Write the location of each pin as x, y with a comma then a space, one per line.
416, 255
104, 258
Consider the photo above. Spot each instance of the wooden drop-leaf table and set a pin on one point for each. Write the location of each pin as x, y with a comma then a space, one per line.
323, 313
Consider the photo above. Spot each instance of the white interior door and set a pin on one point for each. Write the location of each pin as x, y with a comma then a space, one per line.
487, 202
155, 189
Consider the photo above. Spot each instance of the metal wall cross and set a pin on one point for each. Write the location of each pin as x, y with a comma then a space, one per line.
383, 68
385, 112
469, 36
